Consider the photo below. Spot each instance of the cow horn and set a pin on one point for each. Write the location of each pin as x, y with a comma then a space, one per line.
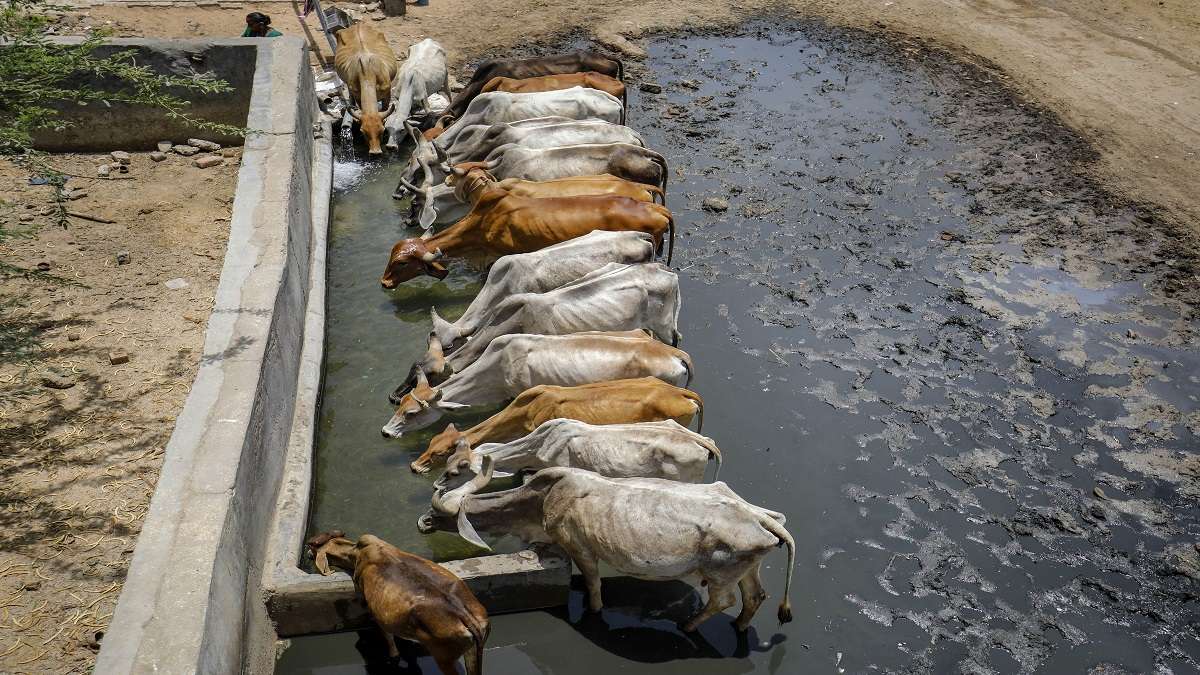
441, 154
356, 115
389, 110
409, 186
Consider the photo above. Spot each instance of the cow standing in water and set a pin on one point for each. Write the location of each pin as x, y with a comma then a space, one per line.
365, 62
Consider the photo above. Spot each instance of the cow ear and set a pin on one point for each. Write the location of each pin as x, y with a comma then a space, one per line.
322, 562
467, 531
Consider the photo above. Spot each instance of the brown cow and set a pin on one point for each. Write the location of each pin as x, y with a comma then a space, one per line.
470, 187
410, 597
590, 79
646, 399
574, 62
502, 223
365, 62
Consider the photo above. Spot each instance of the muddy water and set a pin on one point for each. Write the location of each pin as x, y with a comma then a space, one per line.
966, 374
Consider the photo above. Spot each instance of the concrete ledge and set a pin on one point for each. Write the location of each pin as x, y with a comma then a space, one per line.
193, 583
530, 579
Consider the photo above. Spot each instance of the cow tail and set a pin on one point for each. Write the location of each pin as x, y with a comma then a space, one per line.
714, 453
671, 236
474, 661
774, 527
700, 412
620, 70
656, 193
687, 363
624, 102
666, 172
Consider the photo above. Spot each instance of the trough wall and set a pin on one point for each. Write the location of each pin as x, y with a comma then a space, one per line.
192, 590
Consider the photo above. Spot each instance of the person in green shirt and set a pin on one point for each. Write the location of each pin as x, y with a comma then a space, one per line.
259, 25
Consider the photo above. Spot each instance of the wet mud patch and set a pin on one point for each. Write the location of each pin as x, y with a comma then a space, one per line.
964, 371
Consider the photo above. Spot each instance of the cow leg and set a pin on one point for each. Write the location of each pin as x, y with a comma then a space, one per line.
590, 569
752, 598
720, 598
393, 650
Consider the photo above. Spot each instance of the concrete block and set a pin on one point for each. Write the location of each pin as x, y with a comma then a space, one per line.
531, 579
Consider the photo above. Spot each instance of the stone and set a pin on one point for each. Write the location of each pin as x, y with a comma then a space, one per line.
158, 156
193, 318
176, 283
74, 336
229, 152
690, 84
185, 150
56, 379
120, 156
25, 218
208, 160
203, 144
43, 267
118, 356
715, 204
123, 258
102, 170
650, 87
75, 194
165, 146
619, 43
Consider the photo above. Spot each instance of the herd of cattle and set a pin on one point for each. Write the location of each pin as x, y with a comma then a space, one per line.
576, 327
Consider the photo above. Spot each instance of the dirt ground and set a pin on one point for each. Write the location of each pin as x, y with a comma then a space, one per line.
82, 437
79, 464
1123, 73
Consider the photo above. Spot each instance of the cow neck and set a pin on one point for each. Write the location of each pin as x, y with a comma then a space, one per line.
517, 511
460, 239
368, 98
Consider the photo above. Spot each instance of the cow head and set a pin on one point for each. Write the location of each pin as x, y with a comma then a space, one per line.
370, 123
448, 507
434, 363
439, 446
332, 546
464, 457
470, 184
409, 259
420, 407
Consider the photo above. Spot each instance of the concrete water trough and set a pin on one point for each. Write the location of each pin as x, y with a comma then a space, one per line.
215, 578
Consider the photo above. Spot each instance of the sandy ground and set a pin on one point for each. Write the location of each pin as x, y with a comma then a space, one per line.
78, 464
1123, 73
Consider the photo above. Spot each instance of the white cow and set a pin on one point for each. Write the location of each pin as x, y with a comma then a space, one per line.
498, 107
422, 74
513, 363
543, 271
664, 449
441, 204
477, 142
647, 528
616, 297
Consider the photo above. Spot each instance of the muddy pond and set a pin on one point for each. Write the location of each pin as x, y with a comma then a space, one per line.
966, 374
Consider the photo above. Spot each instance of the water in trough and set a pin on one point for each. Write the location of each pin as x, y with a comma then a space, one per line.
966, 374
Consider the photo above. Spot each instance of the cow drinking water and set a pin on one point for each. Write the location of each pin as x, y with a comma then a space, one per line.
647, 528
365, 62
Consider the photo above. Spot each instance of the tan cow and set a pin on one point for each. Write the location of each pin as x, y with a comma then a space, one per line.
645, 399
410, 597
502, 223
365, 62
